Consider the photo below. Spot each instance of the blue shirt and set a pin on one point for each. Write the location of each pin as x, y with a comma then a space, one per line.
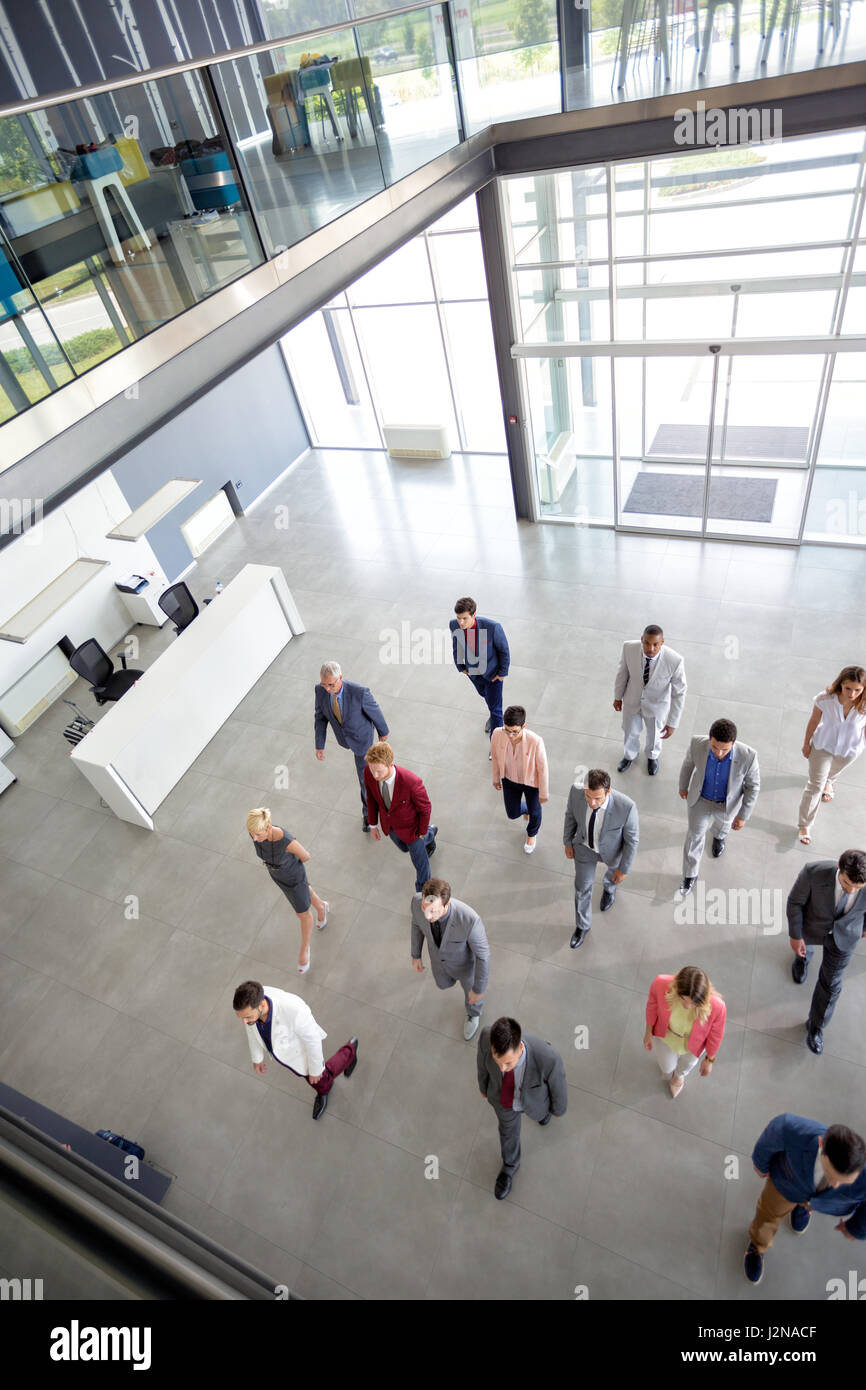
715, 787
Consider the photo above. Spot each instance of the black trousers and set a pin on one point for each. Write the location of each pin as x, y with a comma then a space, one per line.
828, 986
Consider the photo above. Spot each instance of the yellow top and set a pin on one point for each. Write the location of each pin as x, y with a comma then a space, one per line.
679, 1028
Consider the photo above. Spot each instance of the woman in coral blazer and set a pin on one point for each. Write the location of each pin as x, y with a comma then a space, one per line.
684, 1018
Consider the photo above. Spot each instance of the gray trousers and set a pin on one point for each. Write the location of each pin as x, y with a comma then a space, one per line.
701, 816
828, 986
584, 878
445, 981
509, 1137
631, 725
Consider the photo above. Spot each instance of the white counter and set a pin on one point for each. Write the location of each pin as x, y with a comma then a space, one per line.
142, 747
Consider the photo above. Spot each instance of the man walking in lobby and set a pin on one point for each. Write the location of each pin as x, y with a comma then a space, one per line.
353, 714
397, 798
720, 779
518, 1072
649, 689
481, 651
826, 908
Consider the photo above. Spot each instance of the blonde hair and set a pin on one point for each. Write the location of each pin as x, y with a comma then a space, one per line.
692, 983
258, 820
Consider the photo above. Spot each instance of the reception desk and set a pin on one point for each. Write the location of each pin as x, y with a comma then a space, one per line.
142, 747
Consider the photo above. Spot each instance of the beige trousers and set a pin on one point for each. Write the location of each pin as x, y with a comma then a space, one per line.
823, 767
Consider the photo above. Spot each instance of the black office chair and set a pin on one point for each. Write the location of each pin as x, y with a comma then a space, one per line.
91, 662
178, 604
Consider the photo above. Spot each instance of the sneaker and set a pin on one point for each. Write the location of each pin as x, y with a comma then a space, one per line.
800, 1218
753, 1265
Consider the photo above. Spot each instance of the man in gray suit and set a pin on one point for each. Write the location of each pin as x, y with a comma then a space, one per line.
720, 779
457, 943
649, 689
517, 1073
599, 825
826, 907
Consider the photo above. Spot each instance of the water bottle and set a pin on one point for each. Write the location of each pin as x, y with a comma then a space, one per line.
219, 588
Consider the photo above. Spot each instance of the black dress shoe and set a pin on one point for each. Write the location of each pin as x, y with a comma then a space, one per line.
718, 848
365, 826
577, 938
320, 1105
354, 1062
652, 766
546, 1120
431, 848
487, 726
686, 886
607, 900
799, 967
623, 764
502, 1186
814, 1039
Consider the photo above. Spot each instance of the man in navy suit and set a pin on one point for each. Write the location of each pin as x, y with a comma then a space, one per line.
354, 716
481, 651
806, 1165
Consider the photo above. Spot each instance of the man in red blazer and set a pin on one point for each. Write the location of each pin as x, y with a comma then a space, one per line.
399, 799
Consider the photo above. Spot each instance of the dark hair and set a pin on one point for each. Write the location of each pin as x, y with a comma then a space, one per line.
596, 779
652, 630
515, 714
853, 863
505, 1037
436, 888
466, 605
844, 1149
248, 996
724, 731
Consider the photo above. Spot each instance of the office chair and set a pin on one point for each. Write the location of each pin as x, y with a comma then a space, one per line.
179, 606
91, 662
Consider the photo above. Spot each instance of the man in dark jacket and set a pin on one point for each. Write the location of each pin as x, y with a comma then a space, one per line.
806, 1165
827, 908
516, 1073
480, 650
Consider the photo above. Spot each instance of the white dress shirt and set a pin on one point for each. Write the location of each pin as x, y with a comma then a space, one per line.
844, 738
599, 821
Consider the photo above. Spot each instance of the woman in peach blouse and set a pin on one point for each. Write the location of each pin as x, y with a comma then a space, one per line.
520, 771
685, 1017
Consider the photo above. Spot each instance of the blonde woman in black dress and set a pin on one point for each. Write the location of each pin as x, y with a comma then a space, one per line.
284, 858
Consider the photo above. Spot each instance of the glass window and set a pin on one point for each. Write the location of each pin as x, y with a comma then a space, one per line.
329, 378
508, 59
405, 359
402, 278
459, 265
571, 424
473, 371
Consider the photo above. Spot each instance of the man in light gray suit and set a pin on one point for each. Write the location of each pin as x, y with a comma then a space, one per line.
649, 689
826, 907
599, 825
457, 943
720, 779
517, 1073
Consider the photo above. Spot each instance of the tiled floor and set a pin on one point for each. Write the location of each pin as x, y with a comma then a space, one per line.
129, 1024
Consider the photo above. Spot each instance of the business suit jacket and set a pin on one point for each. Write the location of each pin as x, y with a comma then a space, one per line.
619, 829
744, 778
295, 1035
544, 1084
464, 952
812, 903
664, 693
787, 1151
409, 816
492, 657
361, 715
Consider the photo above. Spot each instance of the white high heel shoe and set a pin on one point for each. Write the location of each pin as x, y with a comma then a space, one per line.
324, 922
302, 969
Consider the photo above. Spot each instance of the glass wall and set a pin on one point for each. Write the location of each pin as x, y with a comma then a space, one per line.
415, 347
507, 58
749, 246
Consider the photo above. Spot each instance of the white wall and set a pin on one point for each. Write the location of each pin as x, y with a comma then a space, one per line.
75, 531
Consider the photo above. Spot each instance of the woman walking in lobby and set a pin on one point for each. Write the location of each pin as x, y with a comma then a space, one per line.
685, 1018
284, 858
835, 736
520, 771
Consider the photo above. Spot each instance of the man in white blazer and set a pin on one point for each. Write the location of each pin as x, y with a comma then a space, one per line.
283, 1025
720, 779
649, 689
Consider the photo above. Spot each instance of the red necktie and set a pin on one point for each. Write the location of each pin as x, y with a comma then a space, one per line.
506, 1100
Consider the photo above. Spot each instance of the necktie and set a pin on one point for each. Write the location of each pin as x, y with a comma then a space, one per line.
386, 796
646, 670
843, 905
335, 706
436, 933
506, 1099
590, 834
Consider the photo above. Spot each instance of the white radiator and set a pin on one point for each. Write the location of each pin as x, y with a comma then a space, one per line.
556, 468
417, 441
204, 526
35, 691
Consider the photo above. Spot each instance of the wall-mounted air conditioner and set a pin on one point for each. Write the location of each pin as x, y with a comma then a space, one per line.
417, 441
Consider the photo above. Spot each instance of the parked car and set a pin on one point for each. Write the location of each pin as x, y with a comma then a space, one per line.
385, 55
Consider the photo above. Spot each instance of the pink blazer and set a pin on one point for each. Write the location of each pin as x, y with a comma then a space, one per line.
703, 1035
527, 762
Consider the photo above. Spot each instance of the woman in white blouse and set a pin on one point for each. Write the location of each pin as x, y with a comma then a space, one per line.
835, 736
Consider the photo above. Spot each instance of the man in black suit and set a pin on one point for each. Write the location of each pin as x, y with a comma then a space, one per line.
517, 1073
826, 907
